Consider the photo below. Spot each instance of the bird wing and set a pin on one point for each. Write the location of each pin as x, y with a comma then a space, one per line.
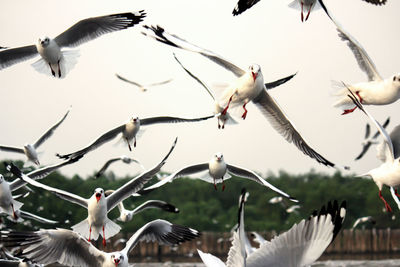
364, 61
303, 243
248, 174
276, 83
30, 216
384, 125
210, 260
91, 28
243, 5
167, 119
60, 193
9, 263
180, 173
395, 137
128, 81
173, 40
12, 149
156, 204
108, 136
135, 184
367, 131
41, 173
50, 246
281, 123
13, 56
158, 83
376, 2
196, 78
258, 238
163, 232
105, 166
383, 132
364, 150
50, 131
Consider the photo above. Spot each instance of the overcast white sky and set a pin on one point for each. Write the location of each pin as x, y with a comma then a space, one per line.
270, 34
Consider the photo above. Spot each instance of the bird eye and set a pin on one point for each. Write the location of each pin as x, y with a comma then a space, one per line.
112, 256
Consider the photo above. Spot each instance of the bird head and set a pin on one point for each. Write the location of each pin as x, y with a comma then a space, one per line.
44, 41
98, 193
218, 156
255, 70
396, 80
1, 179
135, 119
117, 258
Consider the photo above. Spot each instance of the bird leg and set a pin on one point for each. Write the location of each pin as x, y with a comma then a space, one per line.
308, 14
347, 111
59, 69
227, 106
52, 71
388, 208
223, 184
129, 145
90, 232
134, 142
14, 214
245, 110
215, 185
104, 238
395, 192
302, 16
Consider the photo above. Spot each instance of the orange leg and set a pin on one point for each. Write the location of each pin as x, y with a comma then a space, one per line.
215, 185
245, 111
302, 16
90, 232
104, 238
387, 206
227, 106
14, 214
52, 71
395, 192
308, 14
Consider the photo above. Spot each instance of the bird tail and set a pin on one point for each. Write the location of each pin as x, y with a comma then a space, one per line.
83, 229
110, 229
68, 60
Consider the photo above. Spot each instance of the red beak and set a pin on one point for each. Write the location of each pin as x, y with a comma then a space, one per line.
116, 261
98, 196
254, 76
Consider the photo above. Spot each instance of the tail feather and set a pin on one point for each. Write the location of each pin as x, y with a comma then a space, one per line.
83, 229
110, 229
68, 60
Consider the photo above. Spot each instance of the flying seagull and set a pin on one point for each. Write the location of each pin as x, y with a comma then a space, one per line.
8, 204
218, 171
124, 159
301, 245
30, 149
58, 62
142, 87
71, 249
388, 173
363, 220
129, 131
98, 205
249, 86
377, 91
370, 140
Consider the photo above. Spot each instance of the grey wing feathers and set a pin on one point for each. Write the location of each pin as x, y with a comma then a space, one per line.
163, 232
172, 40
50, 246
135, 184
12, 149
384, 125
243, 5
30, 216
50, 131
42, 172
105, 166
159, 83
108, 136
364, 150
395, 137
13, 56
128, 81
158, 204
376, 2
166, 119
282, 124
91, 28
276, 83
367, 131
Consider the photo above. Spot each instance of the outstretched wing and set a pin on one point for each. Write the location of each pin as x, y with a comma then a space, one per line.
364, 61
172, 40
155, 204
13, 56
276, 83
50, 246
166, 119
243, 5
49, 132
105, 167
91, 28
128, 81
12, 149
163, 232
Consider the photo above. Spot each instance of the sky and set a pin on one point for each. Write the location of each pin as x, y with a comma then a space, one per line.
269, 34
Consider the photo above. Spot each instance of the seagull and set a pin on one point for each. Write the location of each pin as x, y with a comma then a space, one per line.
142, 88
129, 131
69, 248
363, 220
368, 141
126, 215
123, 158
388, 173
58, 62
30, 149
219, 171
377, 91
222, 118
8, 204
302, 5
293, 209
98, 205
299, 246
248, 87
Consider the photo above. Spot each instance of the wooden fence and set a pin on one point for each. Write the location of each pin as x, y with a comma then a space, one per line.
370, 241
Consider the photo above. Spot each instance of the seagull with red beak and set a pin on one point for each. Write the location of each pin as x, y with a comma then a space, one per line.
98, 205
249, 86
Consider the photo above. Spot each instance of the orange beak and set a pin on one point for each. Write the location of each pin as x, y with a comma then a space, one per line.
116, 261
254, 76
98, 196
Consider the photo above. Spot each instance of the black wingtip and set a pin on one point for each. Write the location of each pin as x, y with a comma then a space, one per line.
13, 169
63, 156
132, 18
